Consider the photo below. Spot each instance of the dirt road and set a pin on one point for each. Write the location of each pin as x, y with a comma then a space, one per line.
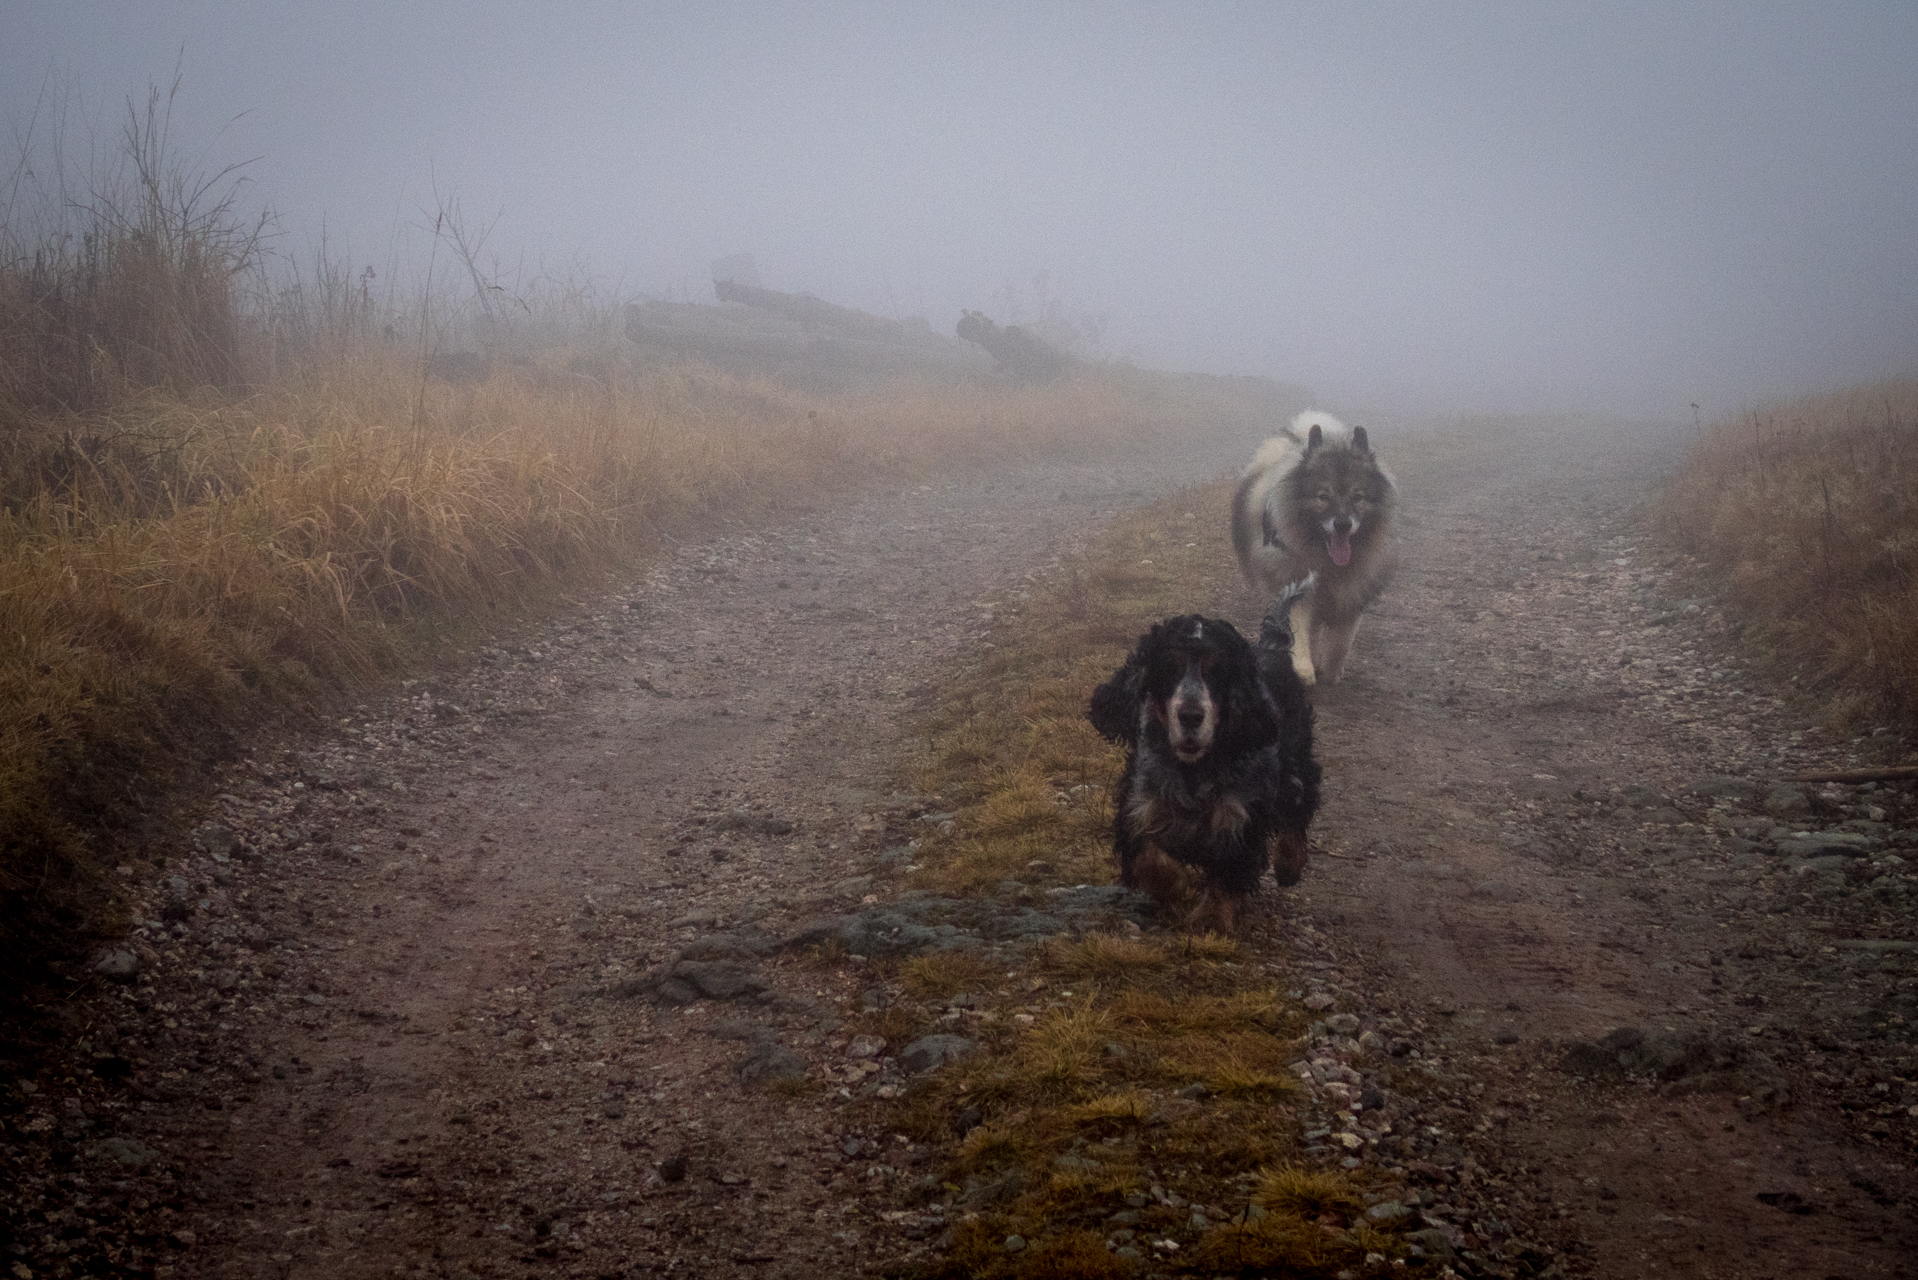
377, 1017
1555, 787
372, 1016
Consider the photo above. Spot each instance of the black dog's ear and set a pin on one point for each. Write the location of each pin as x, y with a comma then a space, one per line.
1115, 704
1250, 720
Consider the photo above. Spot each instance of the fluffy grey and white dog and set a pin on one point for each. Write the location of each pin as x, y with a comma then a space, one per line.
1316, 501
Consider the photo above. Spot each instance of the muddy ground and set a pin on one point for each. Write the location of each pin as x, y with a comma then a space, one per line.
394, 1002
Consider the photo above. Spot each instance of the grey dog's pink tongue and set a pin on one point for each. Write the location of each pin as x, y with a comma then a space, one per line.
1340, 545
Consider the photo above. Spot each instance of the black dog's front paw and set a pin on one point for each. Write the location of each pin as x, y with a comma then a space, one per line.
1275, 629
1274, 635
1290, 853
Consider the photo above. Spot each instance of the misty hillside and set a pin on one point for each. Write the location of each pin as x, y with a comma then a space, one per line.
805, 343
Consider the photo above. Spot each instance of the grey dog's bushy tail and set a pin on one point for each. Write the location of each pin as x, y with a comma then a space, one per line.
1275, 629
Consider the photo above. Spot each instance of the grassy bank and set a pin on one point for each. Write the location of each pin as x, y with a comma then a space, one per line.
177, 566
1806, 515
237, 489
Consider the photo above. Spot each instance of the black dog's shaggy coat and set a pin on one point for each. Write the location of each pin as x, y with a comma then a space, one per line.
1223, 796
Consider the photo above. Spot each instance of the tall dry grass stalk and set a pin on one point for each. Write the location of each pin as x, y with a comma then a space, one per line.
1808, 512
122, 277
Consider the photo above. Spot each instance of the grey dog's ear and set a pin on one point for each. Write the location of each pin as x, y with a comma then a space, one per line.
1115, 704
1313, 438
1359, 441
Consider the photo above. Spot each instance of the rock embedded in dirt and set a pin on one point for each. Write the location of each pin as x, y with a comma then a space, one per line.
771, 1063
118, 965
878, 932
742, 1029
1813, 844
918, 922
746, 944
928, 1053
215, 840
124, 1152
1877, 946
1783, 802
718, 979
1688, 1062
1722, 786
853, 887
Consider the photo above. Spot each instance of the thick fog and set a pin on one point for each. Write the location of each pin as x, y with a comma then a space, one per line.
1411, 208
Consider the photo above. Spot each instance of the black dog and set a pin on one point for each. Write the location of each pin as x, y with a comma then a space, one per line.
1220, 778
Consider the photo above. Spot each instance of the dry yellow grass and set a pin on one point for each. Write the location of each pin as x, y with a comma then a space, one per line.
179, 566
1306, 1193
1101, 956
1278, 1245
228, 495
946, 973
1807, 513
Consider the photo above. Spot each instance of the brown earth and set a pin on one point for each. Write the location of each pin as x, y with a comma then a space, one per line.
1548, 778
395, 1004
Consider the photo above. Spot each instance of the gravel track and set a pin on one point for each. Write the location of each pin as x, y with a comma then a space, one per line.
1556, 790
393, 1003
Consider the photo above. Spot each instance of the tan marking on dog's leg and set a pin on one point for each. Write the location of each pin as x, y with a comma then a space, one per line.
1302, 637
1216, 913
1290, 853
1142, 813
1334, 645
1229, 817
1160, 875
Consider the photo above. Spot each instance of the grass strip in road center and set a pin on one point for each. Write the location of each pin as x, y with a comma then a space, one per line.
1133, 1103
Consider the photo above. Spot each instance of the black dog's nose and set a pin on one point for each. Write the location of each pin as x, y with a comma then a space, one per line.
1191, 718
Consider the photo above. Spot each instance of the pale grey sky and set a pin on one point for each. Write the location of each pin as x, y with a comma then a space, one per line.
1413, 208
